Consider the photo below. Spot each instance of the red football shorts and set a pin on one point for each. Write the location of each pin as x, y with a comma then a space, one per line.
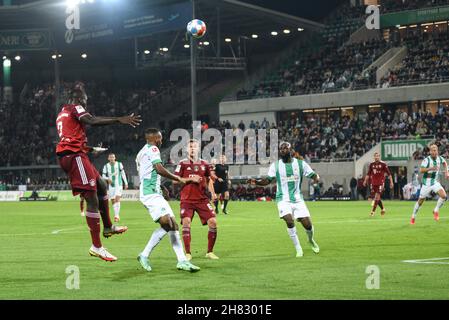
376, 189
204, 209
82, 173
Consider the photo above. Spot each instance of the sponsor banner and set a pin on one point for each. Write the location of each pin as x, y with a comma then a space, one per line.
125, 24
401, 149
130, 195
37, 39
10, 195
414, 16
62, 195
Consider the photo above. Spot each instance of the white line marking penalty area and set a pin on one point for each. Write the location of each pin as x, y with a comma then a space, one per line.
428, 261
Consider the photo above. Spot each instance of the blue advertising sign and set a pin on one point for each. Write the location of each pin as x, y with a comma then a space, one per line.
126, 24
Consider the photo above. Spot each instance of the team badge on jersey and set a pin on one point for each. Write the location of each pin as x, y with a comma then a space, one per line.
80, 109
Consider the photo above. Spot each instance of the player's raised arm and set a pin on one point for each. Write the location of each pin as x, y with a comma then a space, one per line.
91, 120
167, 174
271, 176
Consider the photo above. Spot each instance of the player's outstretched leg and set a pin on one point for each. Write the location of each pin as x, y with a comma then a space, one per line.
186, 236
93, 221
440, 202
156, 237
211, 238
291, 229
169, 224
108, 228
418, 205
307, 224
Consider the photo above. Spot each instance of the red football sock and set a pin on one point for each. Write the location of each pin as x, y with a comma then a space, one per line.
381, 205
103, 205
211, 237
187, 238
93, 221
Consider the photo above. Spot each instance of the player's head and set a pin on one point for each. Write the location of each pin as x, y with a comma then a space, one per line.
153, 136
433, 150
77, 95
376, 156
222, 159
285, 150
111, 157
193, 149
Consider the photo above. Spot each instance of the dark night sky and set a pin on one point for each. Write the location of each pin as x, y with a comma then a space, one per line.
309, 9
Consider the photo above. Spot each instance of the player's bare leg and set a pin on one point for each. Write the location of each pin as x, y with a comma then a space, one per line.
380, 204
374, 204
440, 202
108, 228
170, 227
186, 236
225, 202
308, 226
82, 212
291, 229
93, 221
211, 238
418, 205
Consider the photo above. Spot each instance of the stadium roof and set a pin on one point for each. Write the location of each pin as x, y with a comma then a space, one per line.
237, 20
235, 15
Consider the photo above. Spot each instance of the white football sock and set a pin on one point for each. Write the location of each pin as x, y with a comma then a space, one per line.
310, 234
176, 243
156, 237
116, 207
416, 209
440, 203
293, 235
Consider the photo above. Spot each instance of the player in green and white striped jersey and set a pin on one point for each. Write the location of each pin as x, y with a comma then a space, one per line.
115, 175
431, 168
288, 173
150, 168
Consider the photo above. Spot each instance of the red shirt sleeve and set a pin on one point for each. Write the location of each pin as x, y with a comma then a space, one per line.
387, 170
78, 111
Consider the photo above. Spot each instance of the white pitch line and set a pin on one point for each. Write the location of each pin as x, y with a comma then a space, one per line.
68, 229
349, 221
428, 261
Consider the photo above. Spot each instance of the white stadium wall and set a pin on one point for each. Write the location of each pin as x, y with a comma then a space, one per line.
239, 109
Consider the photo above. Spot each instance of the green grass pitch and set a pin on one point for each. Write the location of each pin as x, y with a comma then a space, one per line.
257, 260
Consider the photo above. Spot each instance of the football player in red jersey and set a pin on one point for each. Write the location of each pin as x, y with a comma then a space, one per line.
194, 198
376, 173
85, 180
